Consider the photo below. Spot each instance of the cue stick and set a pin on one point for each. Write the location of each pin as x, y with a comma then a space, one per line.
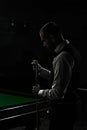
36, 76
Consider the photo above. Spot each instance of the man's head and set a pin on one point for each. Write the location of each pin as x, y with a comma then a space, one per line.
50, 35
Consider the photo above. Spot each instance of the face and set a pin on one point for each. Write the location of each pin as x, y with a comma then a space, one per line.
48, 42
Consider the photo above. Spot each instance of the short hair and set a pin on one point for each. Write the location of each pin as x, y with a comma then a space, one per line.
51, 28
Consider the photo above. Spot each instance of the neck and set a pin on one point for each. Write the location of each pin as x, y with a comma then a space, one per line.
59, 47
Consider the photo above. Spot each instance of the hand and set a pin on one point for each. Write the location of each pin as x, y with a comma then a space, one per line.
36, 66
36, 89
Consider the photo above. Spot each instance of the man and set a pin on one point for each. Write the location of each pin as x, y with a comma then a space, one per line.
61, 94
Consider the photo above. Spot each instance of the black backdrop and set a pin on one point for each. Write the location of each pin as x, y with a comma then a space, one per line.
20, 22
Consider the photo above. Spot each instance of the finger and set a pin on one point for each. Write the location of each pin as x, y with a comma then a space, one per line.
34, 62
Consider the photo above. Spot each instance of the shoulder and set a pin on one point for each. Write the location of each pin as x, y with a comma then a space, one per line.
64, 57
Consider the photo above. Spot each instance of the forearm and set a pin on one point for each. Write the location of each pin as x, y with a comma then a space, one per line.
45, 73
51, 94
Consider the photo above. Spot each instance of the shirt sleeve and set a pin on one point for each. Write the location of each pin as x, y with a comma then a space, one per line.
62, 66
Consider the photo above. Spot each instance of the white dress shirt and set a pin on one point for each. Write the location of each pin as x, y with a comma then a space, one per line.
63, 64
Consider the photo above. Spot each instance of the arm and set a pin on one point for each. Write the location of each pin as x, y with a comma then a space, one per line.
42, 72
45, 73
62, 76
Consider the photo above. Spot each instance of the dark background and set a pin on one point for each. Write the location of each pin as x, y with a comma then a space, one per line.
20, 22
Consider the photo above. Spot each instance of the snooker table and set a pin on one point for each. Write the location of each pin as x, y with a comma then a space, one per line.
20, 109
